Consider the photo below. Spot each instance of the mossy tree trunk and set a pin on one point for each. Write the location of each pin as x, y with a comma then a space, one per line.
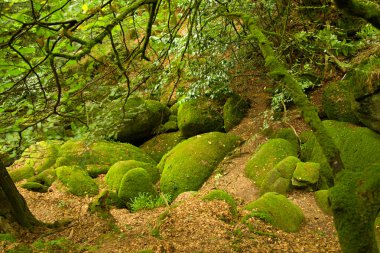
370, 11
355, 198
309, 111
13, 200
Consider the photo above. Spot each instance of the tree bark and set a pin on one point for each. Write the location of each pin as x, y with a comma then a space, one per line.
364, 9
15, 200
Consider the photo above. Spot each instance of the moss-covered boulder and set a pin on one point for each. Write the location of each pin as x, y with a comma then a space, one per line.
286, 134
224, 196
356, 98
170, 126
82, 153
134, 182
199, 116
281, 212
35, 159
117, 171
141, 120
77, 181
35, 187
18, 174
187, 166
268, 155
46, 178
234, 111
279, 178
306, 174
159, 145
321, 198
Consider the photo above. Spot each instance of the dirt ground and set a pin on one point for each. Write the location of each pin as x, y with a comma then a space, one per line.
190, 224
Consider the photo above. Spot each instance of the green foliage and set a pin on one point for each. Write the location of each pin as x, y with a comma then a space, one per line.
146, 201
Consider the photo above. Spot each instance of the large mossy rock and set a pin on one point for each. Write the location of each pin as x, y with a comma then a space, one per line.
279, 179
199, 116
117, 171
234, 111
280, 211
356, 98
359, 147
83, 153
187, 166
159, 145
141, 120
268, 155
355, 201
77, 181
35, 159
306, 174
134, 182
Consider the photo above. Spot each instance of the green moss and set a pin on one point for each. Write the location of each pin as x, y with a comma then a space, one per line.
199, 116
117, 171
95, 170
268, 181
7, 238
34, 186
47, 177
224, 196
158, 146
234, 111
287, 166
355, 201
18, 174
338, 103
306, 174
133, 183
187, 166
268, 155
286, 134
77, 180
142, 119
321, 198
82, 153
282, 212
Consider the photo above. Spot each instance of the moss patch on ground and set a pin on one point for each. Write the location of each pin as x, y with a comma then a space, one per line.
187, 166
224, 196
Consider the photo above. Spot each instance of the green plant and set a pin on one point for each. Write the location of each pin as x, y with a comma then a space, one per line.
146, 201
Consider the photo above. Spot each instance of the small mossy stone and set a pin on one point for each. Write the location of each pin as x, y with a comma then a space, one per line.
77, 181
199, 116
321, 198
269, 179
188, 165
283, 213
268, 155
159, 145
117, 171
222, 195
35, 187
282, 186
18, 174
170, 126
234, 111
306, 174
133, 183
287, 166
83, 152
46, 177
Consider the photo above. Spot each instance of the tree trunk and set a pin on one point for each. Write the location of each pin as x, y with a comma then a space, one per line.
14, 201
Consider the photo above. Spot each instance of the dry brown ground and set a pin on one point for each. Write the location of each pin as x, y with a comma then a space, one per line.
192, 225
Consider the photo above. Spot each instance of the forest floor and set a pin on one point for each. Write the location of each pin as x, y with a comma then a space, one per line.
194, 225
